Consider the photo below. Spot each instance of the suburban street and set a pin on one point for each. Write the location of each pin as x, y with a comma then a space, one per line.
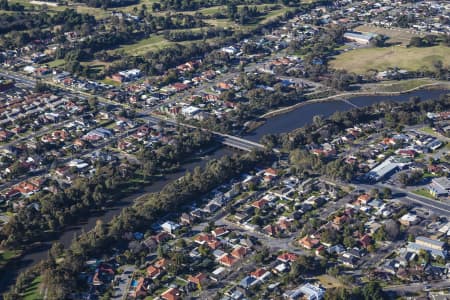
124, 280
439, 207
411, 288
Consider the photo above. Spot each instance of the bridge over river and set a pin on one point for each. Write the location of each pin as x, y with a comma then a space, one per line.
226, 139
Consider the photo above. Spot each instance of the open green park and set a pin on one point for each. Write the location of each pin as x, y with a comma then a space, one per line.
363, 60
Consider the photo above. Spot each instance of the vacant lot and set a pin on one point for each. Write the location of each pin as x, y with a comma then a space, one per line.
396, 35
400, 86
363, 60
329, 282
154, 42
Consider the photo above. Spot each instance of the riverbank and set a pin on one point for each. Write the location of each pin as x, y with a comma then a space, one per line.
289, 118
39, 251
343, 96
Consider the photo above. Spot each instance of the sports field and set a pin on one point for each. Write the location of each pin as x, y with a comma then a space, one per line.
361, 61
396, 35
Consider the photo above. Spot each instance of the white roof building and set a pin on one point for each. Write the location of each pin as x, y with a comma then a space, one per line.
306, 291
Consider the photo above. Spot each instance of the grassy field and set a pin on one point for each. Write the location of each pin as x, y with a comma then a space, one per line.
329, 282
404, 85
363, 60
152, 43
6, 256
424, 193
399, 86
32, 292
396, 36
428, 130
56, 63
110, 82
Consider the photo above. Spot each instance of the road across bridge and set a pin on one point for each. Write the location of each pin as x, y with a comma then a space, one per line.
226, 139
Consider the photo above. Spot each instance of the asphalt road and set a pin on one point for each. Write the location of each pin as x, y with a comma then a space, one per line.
439, 207
405, 289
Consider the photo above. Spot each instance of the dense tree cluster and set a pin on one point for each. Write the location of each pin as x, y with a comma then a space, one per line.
410, 179
109, 3
425, 41
318, 50
84, 194
67, 18
59, 280
5, 5
191, 35
155, 63
341, 80
183, 5
405, 20
242, 16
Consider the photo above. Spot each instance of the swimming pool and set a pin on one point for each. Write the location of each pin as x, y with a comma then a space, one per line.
134, 283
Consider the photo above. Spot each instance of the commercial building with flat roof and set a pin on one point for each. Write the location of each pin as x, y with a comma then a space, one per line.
434, 247
386, 168
440, 187
359, 38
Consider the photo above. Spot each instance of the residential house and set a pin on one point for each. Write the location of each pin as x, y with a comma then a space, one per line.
260, 274
161, 263
271, 230
171, 294
409, 219
365, 241
154, 272
308, 242
199, 280
260, 204
287, 257
227, 260
187, 219
219, 231
247, 281
162, 237
239, 252
170, 227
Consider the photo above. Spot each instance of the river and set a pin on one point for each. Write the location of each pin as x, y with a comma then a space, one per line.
278, 124
303, 115
39, 253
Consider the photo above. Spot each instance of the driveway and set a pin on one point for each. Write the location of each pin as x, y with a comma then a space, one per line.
124, 279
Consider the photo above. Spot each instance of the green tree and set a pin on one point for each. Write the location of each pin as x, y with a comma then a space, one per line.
160, 251
387, 193
349, 242
373, 291
380, 234
4, 5
56, 250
